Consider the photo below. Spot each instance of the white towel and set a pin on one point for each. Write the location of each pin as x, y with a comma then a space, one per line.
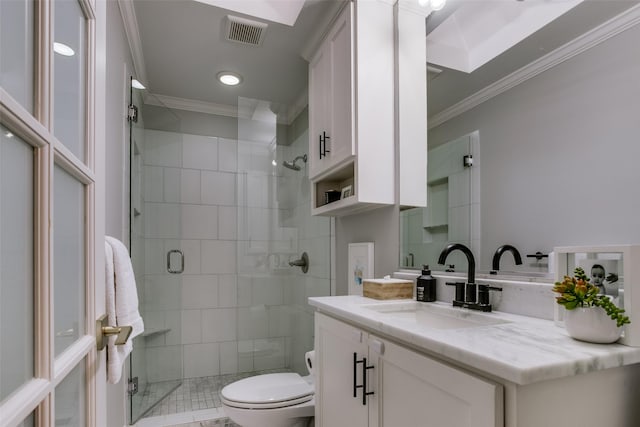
122, 304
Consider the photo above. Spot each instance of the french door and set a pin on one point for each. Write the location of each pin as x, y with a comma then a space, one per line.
50, 283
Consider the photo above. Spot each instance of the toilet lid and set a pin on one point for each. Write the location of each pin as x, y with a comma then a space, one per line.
269, 389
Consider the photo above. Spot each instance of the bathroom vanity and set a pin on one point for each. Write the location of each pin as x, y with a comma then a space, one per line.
405, 364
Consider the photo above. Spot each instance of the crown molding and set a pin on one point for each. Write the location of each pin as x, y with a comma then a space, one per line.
605, 31
185, 104
299, 104
128, 13
312, 45
192, 105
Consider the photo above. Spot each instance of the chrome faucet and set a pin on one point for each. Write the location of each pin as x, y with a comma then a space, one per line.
498, 254
466, 292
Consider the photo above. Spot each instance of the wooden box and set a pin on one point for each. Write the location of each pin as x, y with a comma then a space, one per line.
388, 288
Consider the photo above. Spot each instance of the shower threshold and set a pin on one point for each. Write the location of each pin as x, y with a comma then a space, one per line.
196, 394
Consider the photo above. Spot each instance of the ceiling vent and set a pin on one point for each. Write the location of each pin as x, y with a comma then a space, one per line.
245, 31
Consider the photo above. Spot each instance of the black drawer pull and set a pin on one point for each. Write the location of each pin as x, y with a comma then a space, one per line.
363, 386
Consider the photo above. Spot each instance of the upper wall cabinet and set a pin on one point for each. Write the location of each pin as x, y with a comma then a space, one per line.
330, 95
351, 111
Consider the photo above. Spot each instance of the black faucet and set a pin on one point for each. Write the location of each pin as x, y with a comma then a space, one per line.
498, 254
469, 289
466, 292
471, 272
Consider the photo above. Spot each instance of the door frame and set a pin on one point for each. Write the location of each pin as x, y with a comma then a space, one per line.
35, 128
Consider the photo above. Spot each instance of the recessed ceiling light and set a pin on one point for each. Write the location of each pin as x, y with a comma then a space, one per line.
62, 49
8, 134
136, 84
437, 4
229, 78
433, 4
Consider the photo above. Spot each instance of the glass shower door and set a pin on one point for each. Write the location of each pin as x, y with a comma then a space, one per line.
156, 251
275, 227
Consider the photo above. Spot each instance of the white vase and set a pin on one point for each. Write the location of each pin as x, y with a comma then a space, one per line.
591, 324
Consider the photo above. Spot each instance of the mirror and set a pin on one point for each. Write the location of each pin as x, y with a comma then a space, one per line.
557, 129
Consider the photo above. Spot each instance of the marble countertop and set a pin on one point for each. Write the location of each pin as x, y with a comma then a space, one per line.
525, 350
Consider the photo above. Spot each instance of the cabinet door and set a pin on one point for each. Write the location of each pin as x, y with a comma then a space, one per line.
319, 124
335, 344
415, 390
340, 43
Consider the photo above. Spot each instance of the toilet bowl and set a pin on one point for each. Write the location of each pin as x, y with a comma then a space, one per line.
271, 400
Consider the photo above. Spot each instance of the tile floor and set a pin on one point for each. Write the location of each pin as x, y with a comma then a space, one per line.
195, 394
222, 422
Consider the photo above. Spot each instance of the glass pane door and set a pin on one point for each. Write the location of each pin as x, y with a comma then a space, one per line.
16, 263
159, 254
48, 358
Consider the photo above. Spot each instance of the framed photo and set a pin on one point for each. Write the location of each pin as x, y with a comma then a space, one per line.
346, 192
615, 269
360, 265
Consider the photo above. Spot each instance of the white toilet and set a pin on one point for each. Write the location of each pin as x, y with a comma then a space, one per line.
272, 400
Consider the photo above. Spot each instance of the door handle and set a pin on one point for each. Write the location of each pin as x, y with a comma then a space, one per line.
103, 330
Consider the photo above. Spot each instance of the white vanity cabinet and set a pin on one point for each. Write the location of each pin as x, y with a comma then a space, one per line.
351, 111
406, 389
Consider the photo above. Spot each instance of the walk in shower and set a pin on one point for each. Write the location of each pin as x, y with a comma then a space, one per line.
215, 221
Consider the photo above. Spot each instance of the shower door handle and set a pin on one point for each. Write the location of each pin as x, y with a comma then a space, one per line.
181, 269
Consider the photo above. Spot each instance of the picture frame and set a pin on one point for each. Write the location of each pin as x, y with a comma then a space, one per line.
346, 192
619, 267
360, 266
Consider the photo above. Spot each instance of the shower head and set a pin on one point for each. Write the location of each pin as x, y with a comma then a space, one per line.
292, 165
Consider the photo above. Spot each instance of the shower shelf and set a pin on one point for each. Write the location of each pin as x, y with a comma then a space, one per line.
151, 332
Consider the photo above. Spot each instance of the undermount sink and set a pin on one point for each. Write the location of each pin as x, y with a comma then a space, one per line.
433, 316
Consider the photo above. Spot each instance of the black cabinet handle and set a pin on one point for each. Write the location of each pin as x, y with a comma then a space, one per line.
323, 144
365, 393
363, 386
355, 374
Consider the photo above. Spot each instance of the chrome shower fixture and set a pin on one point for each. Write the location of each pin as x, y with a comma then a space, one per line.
292, 165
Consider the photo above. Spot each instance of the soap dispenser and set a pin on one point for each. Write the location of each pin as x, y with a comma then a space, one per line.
426, 286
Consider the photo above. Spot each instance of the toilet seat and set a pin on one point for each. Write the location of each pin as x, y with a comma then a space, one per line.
268, 391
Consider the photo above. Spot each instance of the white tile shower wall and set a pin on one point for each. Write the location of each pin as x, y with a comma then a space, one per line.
186, 205
238, 224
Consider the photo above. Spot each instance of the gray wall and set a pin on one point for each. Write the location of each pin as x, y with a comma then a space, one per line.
380, 226
559, 153
119, 68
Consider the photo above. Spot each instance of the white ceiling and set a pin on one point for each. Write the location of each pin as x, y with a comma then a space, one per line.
478, 31
183, 48
450, 86
281, 11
